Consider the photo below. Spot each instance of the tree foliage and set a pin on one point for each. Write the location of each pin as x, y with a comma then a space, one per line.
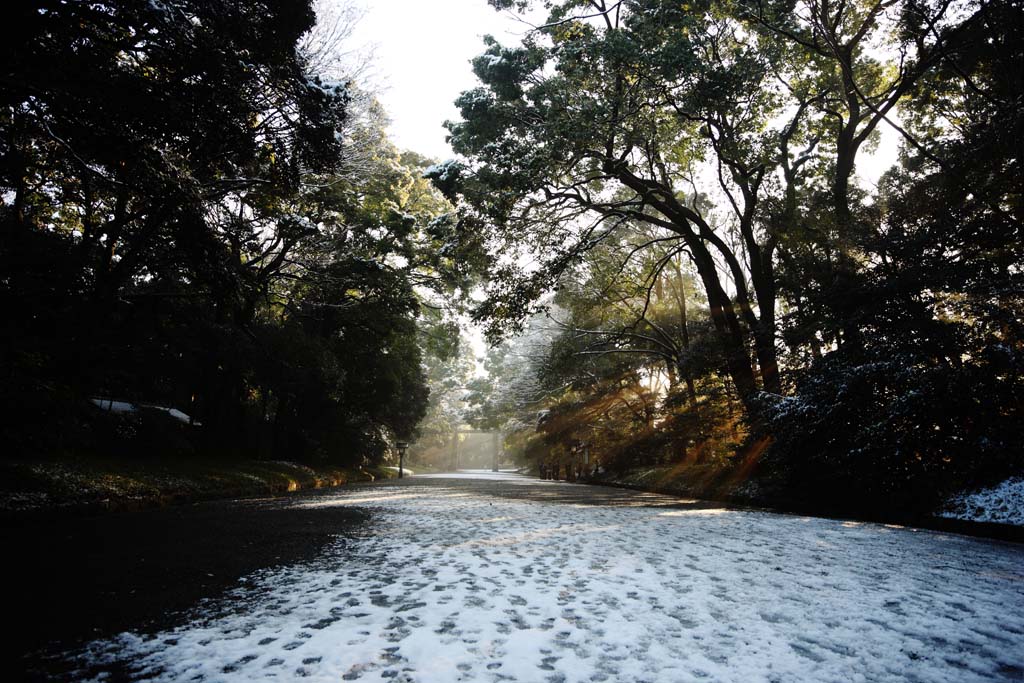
201, 210
682, 179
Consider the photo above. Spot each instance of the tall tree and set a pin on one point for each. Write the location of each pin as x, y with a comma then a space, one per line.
603, 119
931, 397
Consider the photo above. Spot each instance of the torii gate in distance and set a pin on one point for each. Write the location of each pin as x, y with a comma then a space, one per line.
496, 444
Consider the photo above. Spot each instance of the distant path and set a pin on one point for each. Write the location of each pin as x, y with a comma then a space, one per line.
486, 578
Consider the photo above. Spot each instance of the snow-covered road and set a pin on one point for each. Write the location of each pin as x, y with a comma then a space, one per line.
452, 583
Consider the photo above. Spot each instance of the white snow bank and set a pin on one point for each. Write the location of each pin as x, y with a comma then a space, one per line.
453, 585
1003, 503
127, 407
114, 406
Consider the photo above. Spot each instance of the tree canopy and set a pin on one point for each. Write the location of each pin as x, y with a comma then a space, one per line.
201, 210
673, 172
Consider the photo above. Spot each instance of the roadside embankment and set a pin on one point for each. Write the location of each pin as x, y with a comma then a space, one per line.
92, 484
716, 485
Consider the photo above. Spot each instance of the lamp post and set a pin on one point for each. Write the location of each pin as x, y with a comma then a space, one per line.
402, 447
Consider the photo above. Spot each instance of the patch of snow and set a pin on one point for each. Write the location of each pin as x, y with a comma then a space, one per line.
454, 584
492, 60
174, 412
443, 170
128, 407
1003, 504
331, 88
114, 406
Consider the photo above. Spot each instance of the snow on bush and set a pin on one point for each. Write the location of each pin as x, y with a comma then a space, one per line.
1003, 503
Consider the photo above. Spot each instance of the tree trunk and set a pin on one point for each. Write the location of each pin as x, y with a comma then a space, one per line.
726, 322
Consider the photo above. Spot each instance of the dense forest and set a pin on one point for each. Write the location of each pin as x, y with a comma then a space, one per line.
202, 212
668, 217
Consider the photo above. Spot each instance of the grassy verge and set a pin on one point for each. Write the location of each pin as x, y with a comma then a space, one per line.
86, 484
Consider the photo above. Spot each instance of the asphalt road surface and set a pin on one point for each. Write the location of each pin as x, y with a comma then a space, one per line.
504, 578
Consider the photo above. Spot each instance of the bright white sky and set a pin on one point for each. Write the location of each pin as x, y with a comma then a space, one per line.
423, 48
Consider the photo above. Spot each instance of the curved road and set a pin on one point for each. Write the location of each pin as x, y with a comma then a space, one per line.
504, 578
